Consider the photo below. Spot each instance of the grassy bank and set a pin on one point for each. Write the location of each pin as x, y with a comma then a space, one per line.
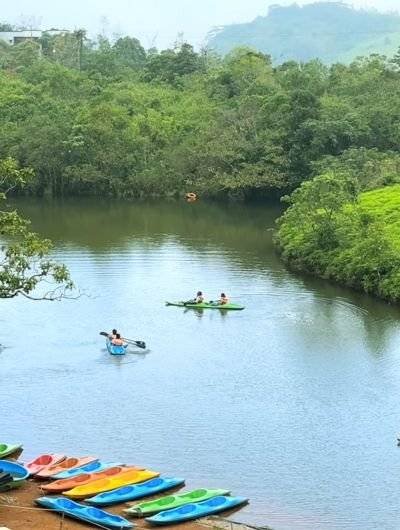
333, 232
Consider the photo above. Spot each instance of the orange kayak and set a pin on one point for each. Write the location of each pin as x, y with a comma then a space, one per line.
43, 461
68, 463
85, 478
107, 484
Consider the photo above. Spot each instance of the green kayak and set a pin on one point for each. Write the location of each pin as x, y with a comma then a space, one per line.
8, 449
173, 501
207, 305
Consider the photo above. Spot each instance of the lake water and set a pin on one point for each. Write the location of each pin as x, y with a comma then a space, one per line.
294, 402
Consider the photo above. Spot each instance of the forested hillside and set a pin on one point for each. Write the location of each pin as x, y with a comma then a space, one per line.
114, 119
331, 31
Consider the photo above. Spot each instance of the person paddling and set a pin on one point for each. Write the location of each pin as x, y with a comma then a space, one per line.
117, 341
198, 300
113, 334
223, 299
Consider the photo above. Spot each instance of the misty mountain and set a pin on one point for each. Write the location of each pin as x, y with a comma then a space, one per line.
330, 31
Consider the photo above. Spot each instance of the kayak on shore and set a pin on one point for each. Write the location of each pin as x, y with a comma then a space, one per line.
135, 491
9, 449
92, 467
107, 484
174, 501
42, 461
207, 305
197, 510
68, 463
18, 474
58, 486
88, 514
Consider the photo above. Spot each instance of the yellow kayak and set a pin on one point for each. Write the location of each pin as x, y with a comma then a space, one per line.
107, 484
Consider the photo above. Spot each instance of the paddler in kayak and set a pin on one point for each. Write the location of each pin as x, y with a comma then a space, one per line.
117, 341
113, 334
198, 300
223, 299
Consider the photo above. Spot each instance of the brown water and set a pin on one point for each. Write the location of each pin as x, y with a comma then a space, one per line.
293, 402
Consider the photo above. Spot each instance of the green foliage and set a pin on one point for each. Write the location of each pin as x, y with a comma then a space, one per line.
110, 118
330, 31
330, 231
25, 264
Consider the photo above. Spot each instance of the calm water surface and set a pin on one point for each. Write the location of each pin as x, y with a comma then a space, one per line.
293, 402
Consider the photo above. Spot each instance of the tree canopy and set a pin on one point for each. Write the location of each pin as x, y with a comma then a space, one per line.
108, 117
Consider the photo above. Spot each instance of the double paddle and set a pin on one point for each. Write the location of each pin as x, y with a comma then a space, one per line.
138, 343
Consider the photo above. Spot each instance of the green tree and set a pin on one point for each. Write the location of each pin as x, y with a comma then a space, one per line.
25, 266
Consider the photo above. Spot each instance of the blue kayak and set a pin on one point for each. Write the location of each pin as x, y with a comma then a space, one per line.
196, 510
92, 467
88, 514
116, 350
18, 473
136, 491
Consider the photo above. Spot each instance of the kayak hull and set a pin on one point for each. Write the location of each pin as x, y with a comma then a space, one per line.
197, 510
115, 350
135, 491
92, 467
42, 461
68, 463
9, 449
18, 473
107, 484
208, 305
87, 514
58, 486
174, 501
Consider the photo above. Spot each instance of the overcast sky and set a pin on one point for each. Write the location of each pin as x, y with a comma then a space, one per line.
154, 22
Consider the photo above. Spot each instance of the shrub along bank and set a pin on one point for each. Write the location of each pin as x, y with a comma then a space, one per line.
333, 231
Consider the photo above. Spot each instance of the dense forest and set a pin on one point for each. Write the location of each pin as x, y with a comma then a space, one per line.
329, 31
114, 119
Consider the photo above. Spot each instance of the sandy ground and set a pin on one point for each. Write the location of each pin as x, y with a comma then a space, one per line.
18, 512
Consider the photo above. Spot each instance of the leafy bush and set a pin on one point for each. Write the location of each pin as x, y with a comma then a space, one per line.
330, 231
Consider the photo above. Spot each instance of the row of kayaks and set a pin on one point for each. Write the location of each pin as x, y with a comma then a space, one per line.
102, 484
184, 513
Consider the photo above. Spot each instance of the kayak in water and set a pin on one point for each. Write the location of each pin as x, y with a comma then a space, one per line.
207, 305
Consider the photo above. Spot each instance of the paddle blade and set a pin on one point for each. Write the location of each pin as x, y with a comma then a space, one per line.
104, 333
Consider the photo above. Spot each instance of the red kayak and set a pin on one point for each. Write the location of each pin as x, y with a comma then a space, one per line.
68, 463
43, 461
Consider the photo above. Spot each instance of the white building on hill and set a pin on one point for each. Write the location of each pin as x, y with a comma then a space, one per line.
15, 37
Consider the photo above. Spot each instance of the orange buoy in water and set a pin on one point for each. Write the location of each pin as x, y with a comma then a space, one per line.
191, 197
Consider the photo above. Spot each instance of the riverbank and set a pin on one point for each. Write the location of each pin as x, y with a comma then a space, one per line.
331, 232
18, 512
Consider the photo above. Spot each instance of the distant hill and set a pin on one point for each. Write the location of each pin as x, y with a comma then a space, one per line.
330, 31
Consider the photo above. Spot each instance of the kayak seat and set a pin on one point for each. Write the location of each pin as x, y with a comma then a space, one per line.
153, 482
69, 505
197, 493
124, 490
165, 500
216, 501
188, 508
